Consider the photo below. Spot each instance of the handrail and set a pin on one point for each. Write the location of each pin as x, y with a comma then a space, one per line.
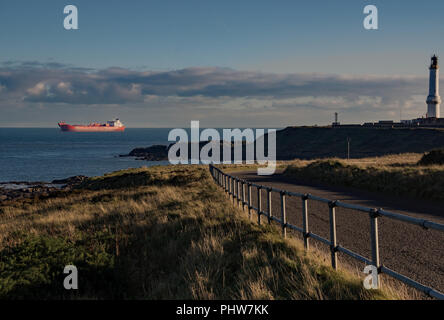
232, 185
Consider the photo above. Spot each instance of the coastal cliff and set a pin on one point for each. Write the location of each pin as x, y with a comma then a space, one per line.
326, 142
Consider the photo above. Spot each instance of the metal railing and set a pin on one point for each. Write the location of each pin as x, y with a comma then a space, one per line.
241, 190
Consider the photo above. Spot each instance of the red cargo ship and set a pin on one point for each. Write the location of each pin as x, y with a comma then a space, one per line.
109, 126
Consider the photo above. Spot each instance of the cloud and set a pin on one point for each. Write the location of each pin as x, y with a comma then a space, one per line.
56, 83
37, 90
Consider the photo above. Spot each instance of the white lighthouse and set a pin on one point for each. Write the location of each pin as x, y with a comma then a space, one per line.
433, 100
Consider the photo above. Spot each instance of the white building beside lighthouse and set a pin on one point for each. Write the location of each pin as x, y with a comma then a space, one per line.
433, 99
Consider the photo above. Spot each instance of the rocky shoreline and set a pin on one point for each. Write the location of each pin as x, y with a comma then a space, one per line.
19, 190
152, 153
160, 152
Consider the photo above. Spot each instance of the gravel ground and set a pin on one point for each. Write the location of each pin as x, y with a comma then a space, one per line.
405, 248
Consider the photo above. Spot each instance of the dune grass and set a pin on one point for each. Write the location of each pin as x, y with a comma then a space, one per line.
156, 233
400, 175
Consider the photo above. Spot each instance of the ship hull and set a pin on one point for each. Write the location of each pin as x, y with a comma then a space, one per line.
79, 128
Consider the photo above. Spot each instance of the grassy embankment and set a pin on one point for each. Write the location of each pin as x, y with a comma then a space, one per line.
402, 175
156, 233
320, 143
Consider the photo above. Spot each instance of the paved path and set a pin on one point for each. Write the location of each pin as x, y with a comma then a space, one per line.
405, 248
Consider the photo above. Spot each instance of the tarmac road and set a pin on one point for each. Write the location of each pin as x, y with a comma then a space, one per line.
405, 248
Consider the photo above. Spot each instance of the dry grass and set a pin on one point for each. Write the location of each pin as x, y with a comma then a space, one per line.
157, 233
393, 160
394, 174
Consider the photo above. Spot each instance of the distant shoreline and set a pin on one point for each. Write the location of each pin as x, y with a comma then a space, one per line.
15, 190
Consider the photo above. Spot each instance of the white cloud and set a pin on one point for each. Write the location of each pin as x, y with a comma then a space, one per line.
65, 87
37, 90
217, 91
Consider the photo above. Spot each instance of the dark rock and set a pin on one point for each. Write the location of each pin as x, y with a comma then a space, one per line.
71, 180
36, 190
153, 153
160, 152
434, 157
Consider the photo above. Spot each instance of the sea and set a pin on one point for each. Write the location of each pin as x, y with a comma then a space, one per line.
46, 154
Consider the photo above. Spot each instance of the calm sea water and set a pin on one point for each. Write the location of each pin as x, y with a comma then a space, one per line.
48, 154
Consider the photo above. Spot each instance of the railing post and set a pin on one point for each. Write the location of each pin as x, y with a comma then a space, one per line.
233, 182
245, 194
283, 215
236, 191
249, 200
234, 188
242, 193
229, 185
259, 205
239, 192
305, 221
333, 244
269, 205
375, 243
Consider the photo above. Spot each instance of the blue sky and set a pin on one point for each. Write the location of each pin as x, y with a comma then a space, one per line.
243, 57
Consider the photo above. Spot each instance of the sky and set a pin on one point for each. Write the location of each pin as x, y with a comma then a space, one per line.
225, 63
